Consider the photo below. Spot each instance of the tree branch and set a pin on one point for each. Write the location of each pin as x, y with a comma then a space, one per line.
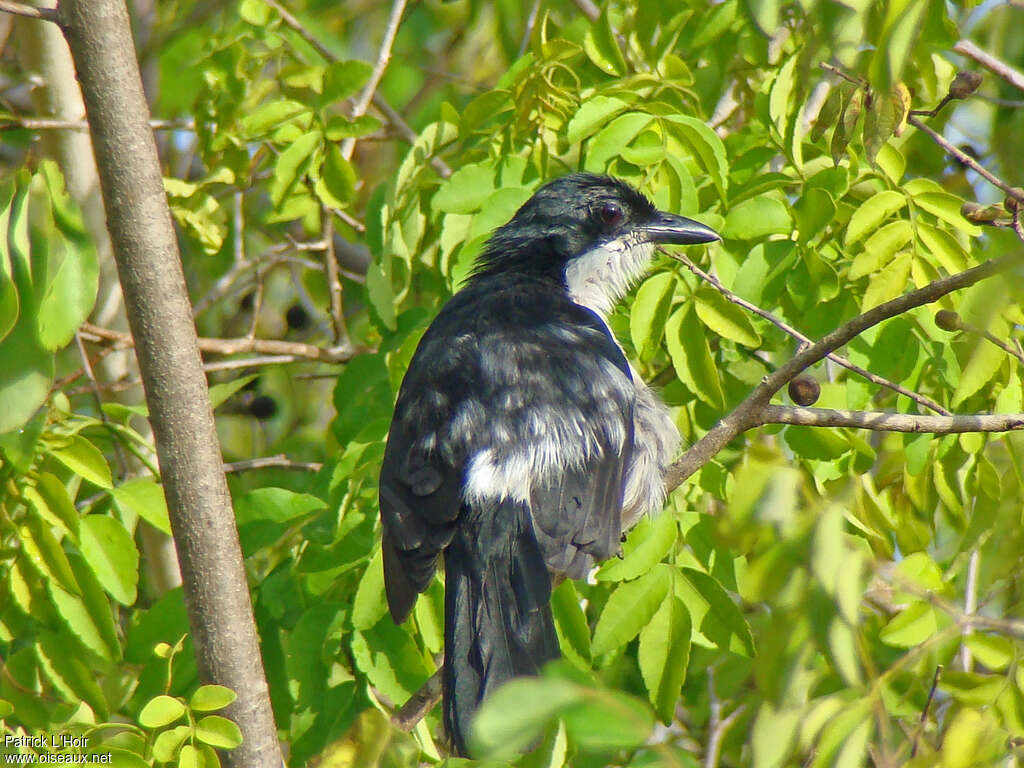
296, 349
29, 11
890, 422
272, 462
391, 115
145, 247
747, 414
926, 402
991, 63
963, 157
383, 57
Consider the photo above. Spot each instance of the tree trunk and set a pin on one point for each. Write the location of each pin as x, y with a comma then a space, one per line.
156, 301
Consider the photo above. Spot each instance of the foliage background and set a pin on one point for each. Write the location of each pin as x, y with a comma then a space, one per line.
791, 606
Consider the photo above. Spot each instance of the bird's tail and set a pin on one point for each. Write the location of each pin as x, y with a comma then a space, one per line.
497, 622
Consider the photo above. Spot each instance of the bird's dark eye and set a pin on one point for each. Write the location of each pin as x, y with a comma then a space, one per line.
611, 214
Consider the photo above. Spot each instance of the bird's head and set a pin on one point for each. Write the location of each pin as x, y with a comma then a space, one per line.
594, 234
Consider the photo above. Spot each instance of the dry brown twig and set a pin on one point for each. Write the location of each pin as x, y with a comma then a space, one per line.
286, 351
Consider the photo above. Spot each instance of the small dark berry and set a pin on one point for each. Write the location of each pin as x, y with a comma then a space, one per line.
804, 390
297, 317
947, 320
964, 84
263, 407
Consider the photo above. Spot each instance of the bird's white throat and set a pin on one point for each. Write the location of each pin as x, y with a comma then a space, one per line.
598, 278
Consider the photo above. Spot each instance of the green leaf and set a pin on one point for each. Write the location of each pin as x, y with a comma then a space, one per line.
816, 443
362, 396
756, 218
880, 122
629, 609
912, 626
10, 303
291, 164
725, 318
845, 126
985, 361
345, 78
87, 615
663, 655
61, 661
369, 605
943, 247
706, 146
514, 716
466, 190
264, 514
713, 612
161, 711
210, 698
647, 544
219, 393
592, 114
167, 743
814, 211
26, 372
871, 213
649, 313
338, 177
602, 48
773, 734
218, 732
270, 116
144, 497
390, 659
571, 624
609, 141
85, 460
888, 284
946, 207
381, 295
608, 720
880, 247
691, 356
995, 652
829, 112
51, 500
781, 96
45, 552
110, 552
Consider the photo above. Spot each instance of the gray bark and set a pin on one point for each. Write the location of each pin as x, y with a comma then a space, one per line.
139, 221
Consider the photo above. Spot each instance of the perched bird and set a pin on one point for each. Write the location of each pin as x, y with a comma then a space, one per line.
522, 443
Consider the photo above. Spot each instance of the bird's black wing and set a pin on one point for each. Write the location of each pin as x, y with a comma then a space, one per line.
514, 390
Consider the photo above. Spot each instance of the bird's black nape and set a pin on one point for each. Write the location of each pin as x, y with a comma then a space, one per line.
564, 217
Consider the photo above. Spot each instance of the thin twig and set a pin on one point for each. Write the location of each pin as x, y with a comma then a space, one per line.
891, 422
926, 402
993, 339
991, 63
29, 11
52, 124
970, 607
718, 726
965, 159
383, 57
279, 461
746, 414
390, 114
531, 21
924, 710
419, 704
588, 8
294, 349
334, 284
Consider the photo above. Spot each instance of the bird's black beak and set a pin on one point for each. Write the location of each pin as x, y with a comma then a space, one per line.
678, 230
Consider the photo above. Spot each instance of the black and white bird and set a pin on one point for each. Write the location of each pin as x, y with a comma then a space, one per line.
522, 443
